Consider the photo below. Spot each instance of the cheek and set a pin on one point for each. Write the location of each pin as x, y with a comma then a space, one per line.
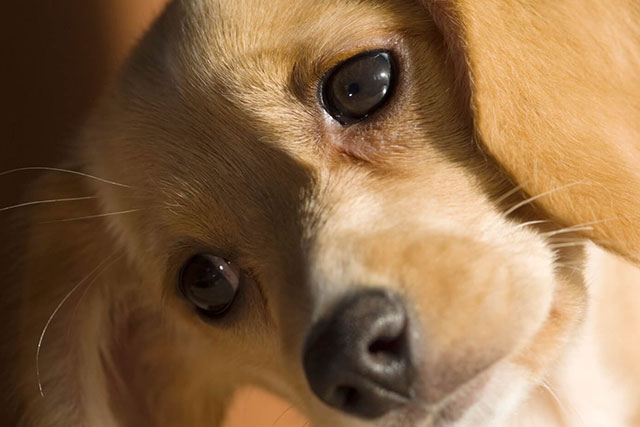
566, 314
471, 299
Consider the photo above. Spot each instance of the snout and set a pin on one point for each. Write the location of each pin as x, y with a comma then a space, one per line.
466, 311
357, 359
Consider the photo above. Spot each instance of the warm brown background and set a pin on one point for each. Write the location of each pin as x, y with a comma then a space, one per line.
55, 58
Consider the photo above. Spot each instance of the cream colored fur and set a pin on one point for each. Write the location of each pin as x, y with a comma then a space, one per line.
213, 140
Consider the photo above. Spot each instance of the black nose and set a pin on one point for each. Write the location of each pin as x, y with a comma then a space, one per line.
357, 358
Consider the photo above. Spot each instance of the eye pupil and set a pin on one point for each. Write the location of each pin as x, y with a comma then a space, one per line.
209, 283
357, 87
353, 89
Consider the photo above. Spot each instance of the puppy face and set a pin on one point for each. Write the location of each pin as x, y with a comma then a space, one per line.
315, 218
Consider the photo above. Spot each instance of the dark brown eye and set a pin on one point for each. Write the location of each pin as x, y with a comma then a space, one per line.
209, 283
358, 87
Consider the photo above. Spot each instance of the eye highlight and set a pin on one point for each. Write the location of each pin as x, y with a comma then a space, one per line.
358, 86
210, 283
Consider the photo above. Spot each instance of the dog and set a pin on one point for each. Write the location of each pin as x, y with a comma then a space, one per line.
377, 210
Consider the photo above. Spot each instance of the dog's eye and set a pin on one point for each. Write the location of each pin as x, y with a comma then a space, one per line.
210, 283
357, 87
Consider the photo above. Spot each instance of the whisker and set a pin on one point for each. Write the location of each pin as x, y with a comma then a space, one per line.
556, 399
560, 241
88, 287
509, 193
564, 411
72, 172
528, 223
599, 221
570, 267
53, 315
586, 227
43, 202
567, 244
567, 230
577, 263
539, 196
282, 416
82, 218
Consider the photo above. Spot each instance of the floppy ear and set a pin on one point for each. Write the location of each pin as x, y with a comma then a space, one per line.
554, 89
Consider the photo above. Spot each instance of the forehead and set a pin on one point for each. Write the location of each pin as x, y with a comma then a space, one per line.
239, 26
267, 57
247, 38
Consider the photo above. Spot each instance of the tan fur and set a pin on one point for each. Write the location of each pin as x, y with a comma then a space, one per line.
556, 98
213, 140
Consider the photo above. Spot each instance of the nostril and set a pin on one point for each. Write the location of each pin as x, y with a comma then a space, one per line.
391, 348
347, 397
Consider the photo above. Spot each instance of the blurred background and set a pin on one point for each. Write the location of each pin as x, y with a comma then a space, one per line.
56, 58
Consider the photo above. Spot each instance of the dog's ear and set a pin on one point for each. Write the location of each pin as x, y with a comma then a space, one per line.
554, 89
